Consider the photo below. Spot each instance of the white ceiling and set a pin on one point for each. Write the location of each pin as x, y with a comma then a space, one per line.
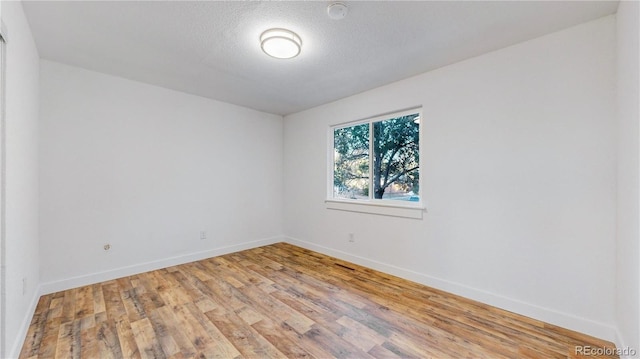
211, 49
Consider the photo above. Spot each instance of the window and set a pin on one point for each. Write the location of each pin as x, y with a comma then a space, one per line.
377, 161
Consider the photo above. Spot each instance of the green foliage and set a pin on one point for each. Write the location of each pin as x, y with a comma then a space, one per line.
351, 171
395, 157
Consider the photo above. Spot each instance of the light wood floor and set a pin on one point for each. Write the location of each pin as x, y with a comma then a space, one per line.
282, 301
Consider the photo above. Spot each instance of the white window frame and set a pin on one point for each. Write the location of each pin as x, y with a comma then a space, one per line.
392, 208
3, 177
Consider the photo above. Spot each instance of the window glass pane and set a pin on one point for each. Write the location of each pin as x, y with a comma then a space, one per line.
396, 158
351, 162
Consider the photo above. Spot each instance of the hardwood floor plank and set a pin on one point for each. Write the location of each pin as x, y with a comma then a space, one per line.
170, 293
84, 302
98, 299
47, 348
246, 339
68, 345
383, 353
266, 303
115, 309
360, 335
332, 343
146, 339
132, 304
69, 305
171, 339
35, 334
107, 340
126, 339
220, 346
284, 343
282, 301
89, 348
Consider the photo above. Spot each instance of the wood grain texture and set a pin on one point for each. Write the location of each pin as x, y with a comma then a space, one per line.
282, 301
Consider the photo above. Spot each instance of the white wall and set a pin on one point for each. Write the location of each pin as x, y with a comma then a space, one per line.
21, 214
628, 249
145, 169
519, 183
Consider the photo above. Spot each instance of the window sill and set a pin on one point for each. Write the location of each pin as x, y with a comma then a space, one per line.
380, 208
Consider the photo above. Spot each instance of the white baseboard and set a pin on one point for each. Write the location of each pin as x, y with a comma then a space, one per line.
565, 320
24, 327
74, 282
628, 352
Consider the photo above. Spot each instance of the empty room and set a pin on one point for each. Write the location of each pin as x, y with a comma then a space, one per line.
320, 179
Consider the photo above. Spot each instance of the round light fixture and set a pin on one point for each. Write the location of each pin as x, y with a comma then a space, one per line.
280, 43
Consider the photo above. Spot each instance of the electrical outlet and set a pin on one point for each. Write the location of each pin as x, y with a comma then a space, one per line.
352, 237
203, 235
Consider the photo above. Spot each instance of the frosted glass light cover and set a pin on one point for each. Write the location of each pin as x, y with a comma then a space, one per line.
280, 43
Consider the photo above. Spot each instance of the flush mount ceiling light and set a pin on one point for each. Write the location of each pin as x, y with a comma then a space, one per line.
280, 43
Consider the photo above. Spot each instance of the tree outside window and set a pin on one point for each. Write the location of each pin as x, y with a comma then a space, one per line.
378, 159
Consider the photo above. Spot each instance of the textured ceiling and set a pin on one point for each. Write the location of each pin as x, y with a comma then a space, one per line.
211, 49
